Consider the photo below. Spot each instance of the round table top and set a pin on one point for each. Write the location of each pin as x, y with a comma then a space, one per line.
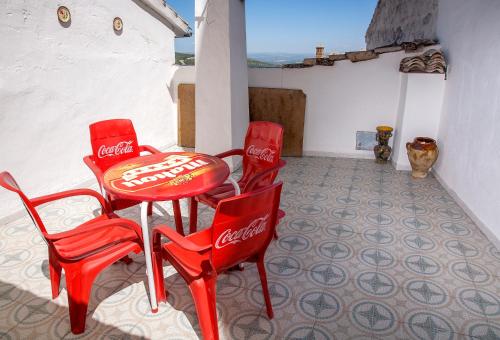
165, 176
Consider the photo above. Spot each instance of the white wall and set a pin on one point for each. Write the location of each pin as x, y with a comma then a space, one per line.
419, 112
469, 136
341, 99
54, 81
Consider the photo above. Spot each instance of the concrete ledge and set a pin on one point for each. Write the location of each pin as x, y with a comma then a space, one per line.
482, 227
167, 16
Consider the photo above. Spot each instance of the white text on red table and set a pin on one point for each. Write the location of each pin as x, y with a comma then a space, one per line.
114, 150
171, 167
264, 154
228, 237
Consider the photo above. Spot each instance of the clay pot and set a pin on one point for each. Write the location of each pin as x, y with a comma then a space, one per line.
422, 153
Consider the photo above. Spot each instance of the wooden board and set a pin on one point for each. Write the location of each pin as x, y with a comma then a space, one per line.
284, 106
186, 118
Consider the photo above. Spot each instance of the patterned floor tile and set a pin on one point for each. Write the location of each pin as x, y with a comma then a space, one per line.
364, 252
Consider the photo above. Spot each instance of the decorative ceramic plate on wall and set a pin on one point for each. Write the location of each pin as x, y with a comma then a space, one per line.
117, 24
63, 14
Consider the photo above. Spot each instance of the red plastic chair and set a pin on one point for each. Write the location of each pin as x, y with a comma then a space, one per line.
114, 141
84, 251
241, 231
261, 163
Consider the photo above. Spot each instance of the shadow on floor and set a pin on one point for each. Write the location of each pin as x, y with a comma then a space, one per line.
24, 315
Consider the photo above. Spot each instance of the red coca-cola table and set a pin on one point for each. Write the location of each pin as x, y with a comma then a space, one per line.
165, 177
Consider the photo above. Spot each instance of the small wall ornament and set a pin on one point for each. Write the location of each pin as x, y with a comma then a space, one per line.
118, 24
64, 15
383, 150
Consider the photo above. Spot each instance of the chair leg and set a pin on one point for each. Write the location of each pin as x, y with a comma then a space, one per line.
161, 293
203, 291
178, 217
78, 285
55, 274
150, 208
265, 289
193, 215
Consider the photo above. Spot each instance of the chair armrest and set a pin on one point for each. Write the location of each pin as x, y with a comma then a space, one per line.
234, 152
173, 236
88, 160
70, 193
253, 181
148, 148
98, 225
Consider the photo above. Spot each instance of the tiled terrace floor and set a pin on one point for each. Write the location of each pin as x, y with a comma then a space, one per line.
364, 252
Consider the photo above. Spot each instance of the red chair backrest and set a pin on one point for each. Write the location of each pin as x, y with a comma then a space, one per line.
243, 226
113, 141
262, 150
9, 183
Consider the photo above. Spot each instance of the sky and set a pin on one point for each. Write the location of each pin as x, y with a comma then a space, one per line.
295, 26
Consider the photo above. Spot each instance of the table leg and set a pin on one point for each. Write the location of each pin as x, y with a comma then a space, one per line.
178, 217
147, 255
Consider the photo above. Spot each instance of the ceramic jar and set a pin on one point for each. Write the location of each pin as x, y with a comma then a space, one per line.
383, 150
422, 153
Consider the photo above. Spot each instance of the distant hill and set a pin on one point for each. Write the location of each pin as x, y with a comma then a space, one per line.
184, 58
280, 58
187, 59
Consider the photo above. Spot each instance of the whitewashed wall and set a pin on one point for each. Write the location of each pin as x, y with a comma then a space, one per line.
419, 112
469, 135
341, 100
55, 81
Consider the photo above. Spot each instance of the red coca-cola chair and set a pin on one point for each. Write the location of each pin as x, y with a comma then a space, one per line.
84, 251
261, 163
241, 231
114, 141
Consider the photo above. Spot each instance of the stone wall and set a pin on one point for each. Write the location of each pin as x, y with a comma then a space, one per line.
398, 21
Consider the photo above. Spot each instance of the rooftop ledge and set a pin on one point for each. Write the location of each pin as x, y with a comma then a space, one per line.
167, 16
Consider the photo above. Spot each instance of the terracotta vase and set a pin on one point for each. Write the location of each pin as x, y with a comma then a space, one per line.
422, 153
383, 150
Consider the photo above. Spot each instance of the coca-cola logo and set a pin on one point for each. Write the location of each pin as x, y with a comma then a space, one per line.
115, 150
265, 154
229, 236
171, 169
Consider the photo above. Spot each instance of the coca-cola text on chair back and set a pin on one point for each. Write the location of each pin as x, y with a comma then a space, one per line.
263, 144
244, 225
113, 141
9, 183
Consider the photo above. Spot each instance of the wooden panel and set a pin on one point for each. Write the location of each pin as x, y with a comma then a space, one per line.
186, 118
284, 106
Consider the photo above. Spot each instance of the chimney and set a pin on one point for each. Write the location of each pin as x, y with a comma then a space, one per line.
320, 51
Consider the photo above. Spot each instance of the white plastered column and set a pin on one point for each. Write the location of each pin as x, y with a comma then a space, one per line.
221, 75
